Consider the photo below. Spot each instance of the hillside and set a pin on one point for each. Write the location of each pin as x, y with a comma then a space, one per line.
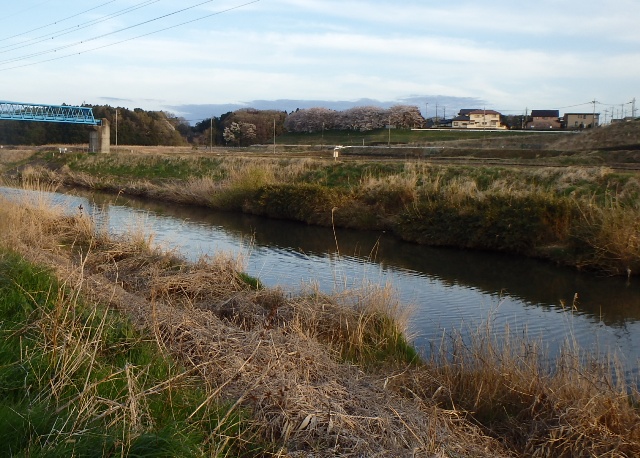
620, 136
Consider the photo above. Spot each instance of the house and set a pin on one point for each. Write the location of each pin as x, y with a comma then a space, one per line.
545, 120
477, 119
581, 120
460, 122
442, 122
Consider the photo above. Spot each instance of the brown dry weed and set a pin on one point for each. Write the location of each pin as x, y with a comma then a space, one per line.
279, 357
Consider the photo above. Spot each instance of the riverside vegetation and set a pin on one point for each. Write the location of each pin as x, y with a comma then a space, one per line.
587, 216
114, 347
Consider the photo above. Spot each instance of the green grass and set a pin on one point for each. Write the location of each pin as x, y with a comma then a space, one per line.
253, 282
349, 174
151, 167
382, 137
76, 380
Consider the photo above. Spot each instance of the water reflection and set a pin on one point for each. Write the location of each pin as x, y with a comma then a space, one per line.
449, 288
612, 300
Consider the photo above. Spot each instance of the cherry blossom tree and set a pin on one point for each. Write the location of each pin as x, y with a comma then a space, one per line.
311, 120
240, 133
362, 119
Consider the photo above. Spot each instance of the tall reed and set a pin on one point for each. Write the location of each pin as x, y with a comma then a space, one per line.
574, 404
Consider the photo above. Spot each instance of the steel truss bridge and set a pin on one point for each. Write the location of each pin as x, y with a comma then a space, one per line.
47, 113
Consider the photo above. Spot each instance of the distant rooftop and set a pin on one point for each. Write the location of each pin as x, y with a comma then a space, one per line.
482, 111
545, 113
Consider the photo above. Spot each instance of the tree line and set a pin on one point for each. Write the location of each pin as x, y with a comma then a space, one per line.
239, 128
134, 127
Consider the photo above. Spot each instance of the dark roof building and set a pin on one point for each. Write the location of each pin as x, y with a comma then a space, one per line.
484, 112
545, 113
545, 120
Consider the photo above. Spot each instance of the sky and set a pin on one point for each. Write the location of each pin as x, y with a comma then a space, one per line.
197, 58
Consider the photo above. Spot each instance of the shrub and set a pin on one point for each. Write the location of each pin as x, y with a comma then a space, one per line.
310, 203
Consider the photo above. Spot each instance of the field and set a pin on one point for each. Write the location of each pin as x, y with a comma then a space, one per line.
394, 137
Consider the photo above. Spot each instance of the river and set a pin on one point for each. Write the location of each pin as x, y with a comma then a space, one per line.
448, 290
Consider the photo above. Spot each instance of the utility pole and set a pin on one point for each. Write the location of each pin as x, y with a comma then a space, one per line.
274, 135
116, 130
593, 119
211, 135
484, 125
389, 141
426, 112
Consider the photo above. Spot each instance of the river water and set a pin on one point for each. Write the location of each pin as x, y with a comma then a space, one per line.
447, 290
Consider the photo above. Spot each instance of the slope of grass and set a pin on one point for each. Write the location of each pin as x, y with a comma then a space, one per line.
393, 137
581, 216
77, 380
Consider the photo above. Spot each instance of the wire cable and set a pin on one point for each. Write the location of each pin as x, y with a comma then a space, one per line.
56, 22
24, 10
573, 106
72, 29
136, 37
17, 59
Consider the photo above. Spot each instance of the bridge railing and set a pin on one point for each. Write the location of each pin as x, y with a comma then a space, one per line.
47, 113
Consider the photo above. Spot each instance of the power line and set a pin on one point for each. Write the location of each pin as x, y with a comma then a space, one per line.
72, 29
24, 10
573, 106
56, 22
133, 38
17, 59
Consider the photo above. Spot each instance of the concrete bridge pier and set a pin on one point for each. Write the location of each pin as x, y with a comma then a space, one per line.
100, 138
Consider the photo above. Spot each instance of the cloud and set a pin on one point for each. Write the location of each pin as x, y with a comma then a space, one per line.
112, 100
506, 55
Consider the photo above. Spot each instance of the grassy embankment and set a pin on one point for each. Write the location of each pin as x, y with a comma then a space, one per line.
113, 347
583, 216
395, 137
80, 379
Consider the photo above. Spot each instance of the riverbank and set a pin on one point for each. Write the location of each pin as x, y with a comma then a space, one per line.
584, 216
312, 375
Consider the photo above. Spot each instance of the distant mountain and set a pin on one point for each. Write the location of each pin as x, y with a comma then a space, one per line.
446, 105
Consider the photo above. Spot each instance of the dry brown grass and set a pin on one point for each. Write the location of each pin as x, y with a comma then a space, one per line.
283, 358
196, 190
262, 350
618, 135
612, 233
577, 405
603, 237
9, 156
